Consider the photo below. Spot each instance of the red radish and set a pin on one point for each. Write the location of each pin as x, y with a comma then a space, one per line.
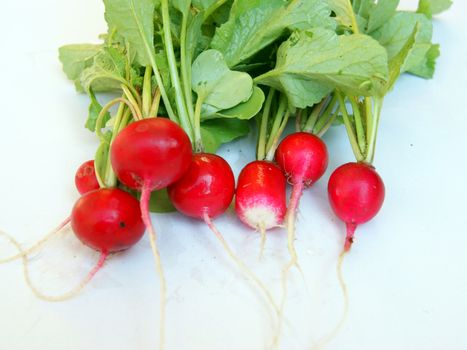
356, 193
148, 155
260, 201
205, 192
85, 178
206, 189
303, 157
107, 220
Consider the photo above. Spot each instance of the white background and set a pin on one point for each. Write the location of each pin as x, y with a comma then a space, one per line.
407, 272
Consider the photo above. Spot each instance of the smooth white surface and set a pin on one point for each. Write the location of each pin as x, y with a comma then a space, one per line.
407, 273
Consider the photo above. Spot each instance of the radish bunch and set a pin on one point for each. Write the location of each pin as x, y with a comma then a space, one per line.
190, 77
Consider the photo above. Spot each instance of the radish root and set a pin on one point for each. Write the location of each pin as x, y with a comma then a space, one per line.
345, 295
36, 245
297, 192
262, 231
247, 271
144, 201
23, 254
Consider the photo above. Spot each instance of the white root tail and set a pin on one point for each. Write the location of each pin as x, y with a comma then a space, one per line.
23, 254
36, 245
345, 295
144, 202
297, 192
244, 268
262, 231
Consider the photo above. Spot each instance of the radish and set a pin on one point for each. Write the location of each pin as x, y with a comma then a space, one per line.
85, 178
303, 157
260, 202
206, 189
356, 193
107, 220
205, 192
149, 155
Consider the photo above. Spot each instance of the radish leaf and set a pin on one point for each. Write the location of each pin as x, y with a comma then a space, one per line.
313, 63
75, 59
254, 24
216, 84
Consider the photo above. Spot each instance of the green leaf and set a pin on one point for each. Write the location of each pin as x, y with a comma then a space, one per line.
94, 110
219, 131
134, 20
313, 63
107, 71
254, 24
203, 4
433, 7
343, 11
368, 15
426, 68
394, 34
381, 13
245, 111
160, 202
75, 59
181, 5
397, 63
216, 84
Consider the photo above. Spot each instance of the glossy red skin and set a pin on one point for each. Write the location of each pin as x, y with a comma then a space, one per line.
303, 157
207, 187
107, 220
85, 178
356, 193
261, 183
151, 153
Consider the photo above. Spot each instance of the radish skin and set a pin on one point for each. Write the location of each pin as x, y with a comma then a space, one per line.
206, 188
356, 194
107, 220
85, 178
260, 201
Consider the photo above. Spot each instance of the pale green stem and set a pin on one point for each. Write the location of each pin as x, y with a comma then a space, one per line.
275, 142
198, 138
378, 105
181, 107
147, 92
313, 118
277, 122
349, 128
155, 103
361, 138
138, 115
185, 66
263, 133
105, 109
324, 118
